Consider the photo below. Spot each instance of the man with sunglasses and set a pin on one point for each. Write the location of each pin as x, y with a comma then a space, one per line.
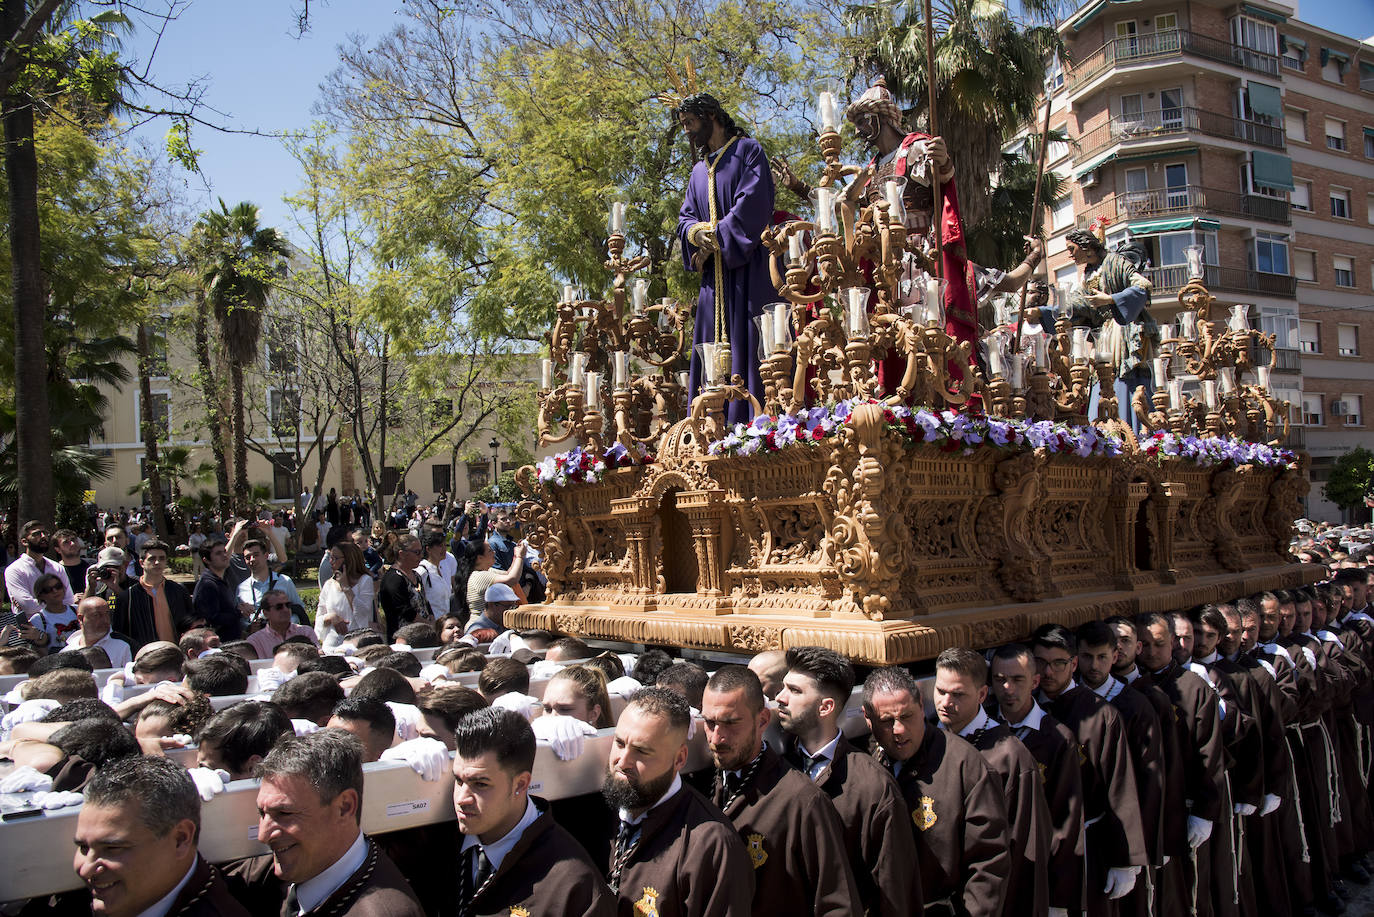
276, 606
33, 563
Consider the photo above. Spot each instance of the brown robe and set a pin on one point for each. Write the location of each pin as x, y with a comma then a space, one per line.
1115, 836
687, 862
1056, 752
206, 895
1319, 810
1144, 737
546, 872
795, 841
1028, 817
376, 889
960, 822
877, 829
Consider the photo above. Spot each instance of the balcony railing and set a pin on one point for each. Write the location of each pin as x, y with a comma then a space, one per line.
1223, 279
1162, 46
1163, 202
1165, 122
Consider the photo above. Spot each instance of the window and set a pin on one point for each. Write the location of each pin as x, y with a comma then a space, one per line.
392, 482
1271, 253
1332, 71
1126, 41
157, 354
1295, 125
441, 476
1340, 203
1300, 198
1292, 54
162, 416
1305, 264
1344, 269
1312, 411
1171, 109
1348, 340
1066, 274
1353, 413
1255, 35
1054, 74
283, 487
1061, 214
479, 475
280, 349
283, 411
1369, 207
1369, 143
1132, 109
1309, 336
1335, 135
1283, 325
1176, 180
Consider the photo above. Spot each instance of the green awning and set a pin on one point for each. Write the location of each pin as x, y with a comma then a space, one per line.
1369, 131
1089, 13
1170, 224
1258, 13
1295, 42
1103, 159
1272, 170
1265, 100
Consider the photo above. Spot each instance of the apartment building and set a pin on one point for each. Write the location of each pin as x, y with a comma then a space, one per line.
1237, 127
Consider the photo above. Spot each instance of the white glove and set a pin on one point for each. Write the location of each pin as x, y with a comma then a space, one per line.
504, 643
113, 692
523, 704
434, 672
271, 678
628, 660
305, 727
693, 714
624, 686
1244, 808
567, 734
129, 671
401, 648
1165, 861
209, 781
30, 711
409, 720
1120, 881
544, 668
209, 652
345, 649
24, 780
426, 757
1269, 803
60, 800
1059, 912
180, 738
1199, 829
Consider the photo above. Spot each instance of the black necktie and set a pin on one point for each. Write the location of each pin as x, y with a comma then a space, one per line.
293, 905
483, 870
732, 782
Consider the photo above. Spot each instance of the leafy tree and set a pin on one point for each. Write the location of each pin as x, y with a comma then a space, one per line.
1351, 480
240, 261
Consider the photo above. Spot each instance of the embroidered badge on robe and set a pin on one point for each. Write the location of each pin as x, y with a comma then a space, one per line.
647, 905
757, 854
517, 911
925, 817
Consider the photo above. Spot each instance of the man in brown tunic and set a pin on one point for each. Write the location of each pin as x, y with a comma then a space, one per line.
876, 821
136, 843
1055, 749
956, 805
789, 826
309, 814
1115, 841
675, 854
961, 687
512, 855
1097, 655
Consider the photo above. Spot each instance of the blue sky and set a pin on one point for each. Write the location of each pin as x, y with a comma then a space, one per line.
263, 77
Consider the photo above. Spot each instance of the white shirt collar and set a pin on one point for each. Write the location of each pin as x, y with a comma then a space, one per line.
827, 750
1131, 676
164, 904
673, 789
498, 850
1209, 660
1033, 718
311, 893
1109, 688
980, 721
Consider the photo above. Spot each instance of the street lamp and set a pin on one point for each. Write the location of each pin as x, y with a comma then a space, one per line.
494, 446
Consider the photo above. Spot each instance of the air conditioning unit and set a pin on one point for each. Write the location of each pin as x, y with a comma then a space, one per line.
1340, 408
1088, 179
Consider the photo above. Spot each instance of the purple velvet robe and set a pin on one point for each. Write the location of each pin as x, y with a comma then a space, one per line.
744, 207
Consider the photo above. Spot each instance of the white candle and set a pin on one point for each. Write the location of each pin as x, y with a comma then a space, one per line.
1187, 325
569, 293
546, 374
618, 218
794, 248
893, 192
828, 111
858, 312
1161, 372
1240, 318
1080, 345
1041, 345
682, 379
593, 391
1175, 394
577, 369
621, 362
766, 333
1016, 370
995, 362
782, 327
1227, 376
933, 299
639, 292
1209, 393
1264, 378
825, 209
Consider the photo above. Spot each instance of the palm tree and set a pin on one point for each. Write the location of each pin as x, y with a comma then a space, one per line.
989, 70
173, 466
240, 262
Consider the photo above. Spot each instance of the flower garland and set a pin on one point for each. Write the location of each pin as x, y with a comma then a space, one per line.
583, 466
1207, 451
950, 430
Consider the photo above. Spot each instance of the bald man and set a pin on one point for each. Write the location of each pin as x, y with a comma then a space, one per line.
771, 668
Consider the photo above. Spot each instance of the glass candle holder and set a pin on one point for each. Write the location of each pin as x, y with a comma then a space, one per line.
828, 110
1081, 347
1226, 376
620, 365
782, 326
824, 199
1161, 371
1263, 373
617, 218
546, 374
1240, 318
796, 249
1187, 325
855, 301
593, 401
1194, 253
1209, 393
892, 191
1175, 394
577, 369
639, 295
1016, 371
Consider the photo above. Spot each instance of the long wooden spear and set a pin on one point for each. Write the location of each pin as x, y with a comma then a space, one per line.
1035, 215
934, 132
